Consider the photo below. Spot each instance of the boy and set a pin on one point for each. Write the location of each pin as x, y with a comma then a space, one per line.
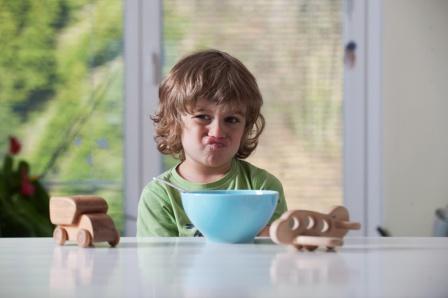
209, 118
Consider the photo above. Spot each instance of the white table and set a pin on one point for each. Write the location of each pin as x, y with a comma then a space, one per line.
191, 267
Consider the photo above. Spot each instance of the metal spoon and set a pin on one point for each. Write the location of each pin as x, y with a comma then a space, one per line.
180, 189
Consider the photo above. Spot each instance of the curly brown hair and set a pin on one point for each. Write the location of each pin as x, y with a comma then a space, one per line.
217, 77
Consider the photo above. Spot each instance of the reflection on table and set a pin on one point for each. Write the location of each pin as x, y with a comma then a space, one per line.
192, 267
77, 267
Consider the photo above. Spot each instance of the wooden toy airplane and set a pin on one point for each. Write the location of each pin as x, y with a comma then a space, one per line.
309, 229
82, 219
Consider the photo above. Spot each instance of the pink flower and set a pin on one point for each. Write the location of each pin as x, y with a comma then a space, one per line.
26, 188
14, 145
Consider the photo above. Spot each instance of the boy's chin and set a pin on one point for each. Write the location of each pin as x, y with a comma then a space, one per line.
218, 162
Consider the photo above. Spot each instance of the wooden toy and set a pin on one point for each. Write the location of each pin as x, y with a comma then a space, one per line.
82, 219
309, 229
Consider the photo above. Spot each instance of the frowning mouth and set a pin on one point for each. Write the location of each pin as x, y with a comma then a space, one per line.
215, 143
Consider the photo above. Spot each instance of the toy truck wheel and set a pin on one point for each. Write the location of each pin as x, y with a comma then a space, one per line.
84, 239
60, 235
114, 242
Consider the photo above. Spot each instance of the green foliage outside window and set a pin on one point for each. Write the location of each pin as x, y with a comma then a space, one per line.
61, 93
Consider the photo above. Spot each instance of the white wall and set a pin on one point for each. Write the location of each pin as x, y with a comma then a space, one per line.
415, 69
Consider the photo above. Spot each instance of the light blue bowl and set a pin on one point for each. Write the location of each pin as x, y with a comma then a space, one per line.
231, 216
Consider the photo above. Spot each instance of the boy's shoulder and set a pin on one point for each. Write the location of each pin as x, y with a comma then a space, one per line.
256, 174
246, 166
154, 187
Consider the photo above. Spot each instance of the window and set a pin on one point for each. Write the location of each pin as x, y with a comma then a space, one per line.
294, 49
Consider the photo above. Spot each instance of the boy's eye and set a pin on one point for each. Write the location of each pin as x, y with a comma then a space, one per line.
202, 117
232, 120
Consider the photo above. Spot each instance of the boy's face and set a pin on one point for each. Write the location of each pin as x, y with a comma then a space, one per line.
211, 135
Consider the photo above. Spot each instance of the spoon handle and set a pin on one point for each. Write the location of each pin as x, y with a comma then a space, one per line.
180, 189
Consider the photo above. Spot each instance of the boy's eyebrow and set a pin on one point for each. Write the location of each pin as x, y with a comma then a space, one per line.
238, 112
199, 110
233, 111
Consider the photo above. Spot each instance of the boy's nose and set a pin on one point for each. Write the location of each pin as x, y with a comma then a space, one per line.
216, 129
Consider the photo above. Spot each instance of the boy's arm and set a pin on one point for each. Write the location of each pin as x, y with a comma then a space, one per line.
279, 210
272, 183
155, 215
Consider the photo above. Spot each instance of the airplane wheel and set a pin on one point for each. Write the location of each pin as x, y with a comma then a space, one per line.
311, 247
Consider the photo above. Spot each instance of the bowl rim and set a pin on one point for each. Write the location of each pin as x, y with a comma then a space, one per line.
231, 192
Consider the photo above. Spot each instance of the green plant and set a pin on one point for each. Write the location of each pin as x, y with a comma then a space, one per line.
24, 202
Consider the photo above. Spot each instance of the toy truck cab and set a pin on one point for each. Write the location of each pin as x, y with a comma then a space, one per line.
82, 219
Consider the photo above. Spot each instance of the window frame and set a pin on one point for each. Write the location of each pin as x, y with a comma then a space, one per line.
142, 50
363, 118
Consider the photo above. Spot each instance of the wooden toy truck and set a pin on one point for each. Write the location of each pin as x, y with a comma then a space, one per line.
82, 219
309, 229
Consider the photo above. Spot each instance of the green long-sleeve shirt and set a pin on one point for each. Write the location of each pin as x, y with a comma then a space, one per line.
160, 211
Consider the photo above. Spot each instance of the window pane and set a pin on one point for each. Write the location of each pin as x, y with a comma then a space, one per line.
294, 50
61, 91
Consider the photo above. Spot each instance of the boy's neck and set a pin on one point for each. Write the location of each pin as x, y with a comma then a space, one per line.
199, 174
